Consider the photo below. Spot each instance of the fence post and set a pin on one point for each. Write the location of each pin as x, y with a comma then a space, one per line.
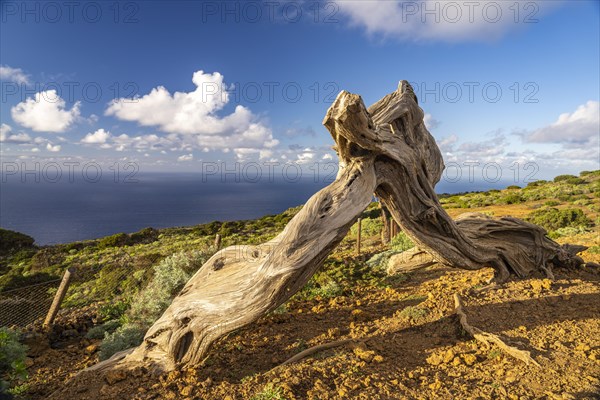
58, 297
358, 237
218, 241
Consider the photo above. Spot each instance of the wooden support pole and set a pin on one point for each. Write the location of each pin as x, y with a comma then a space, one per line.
385, 230
58, 297
218, 241
358, 237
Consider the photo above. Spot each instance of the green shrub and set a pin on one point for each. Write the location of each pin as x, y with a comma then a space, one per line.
98, 332
380, 260
269, 392
513, 198
47, 258
401, 242
368, 227
16, 279
209, 229
414, 313
551, 203
12, 360
552, 219
170, 275
11, 241
568, 231
145, 236
594, 249
570, 179
536, 183
116, 240
125, 337
590, 173
326, 290
562, 178
112, 311
513, 187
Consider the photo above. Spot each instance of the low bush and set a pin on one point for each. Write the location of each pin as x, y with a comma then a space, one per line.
368, 226
380, 261
513, 198
11, 241
145, 236
116, 240
537, 183
414, 313
568, 231
401, 242
590, 173
12, 361
594, 249
170, 275
125, 337
269, 392
564, 178
114, 310
552, 219
98, 332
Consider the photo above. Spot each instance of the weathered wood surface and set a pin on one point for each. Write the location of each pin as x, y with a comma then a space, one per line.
384, 149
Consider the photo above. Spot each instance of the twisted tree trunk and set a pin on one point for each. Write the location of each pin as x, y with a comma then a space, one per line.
384, 149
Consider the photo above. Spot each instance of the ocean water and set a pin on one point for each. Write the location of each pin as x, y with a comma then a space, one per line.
63, 211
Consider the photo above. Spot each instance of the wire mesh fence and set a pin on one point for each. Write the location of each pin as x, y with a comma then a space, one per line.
21, 307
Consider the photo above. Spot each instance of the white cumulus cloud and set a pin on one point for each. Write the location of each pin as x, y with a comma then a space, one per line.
185, 157
443, 20
13, 74
53, 149
193, 116
578, 127
100, 136
46, 112
7, 137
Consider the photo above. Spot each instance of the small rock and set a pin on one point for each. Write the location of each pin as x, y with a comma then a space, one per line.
170, 395
448, 356
437, 385
114, 376
434, 359
187, 391
91, 349
469, 359
582, 347
356, 312
364, 354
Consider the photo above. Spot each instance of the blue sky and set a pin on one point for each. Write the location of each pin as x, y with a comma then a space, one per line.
501, 82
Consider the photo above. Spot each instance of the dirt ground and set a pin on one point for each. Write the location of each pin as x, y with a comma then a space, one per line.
408, 345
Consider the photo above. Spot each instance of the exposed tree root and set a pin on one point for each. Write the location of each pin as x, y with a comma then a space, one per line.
488, 338
315, 349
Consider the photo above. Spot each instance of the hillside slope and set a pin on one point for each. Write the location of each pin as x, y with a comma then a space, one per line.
406, 341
